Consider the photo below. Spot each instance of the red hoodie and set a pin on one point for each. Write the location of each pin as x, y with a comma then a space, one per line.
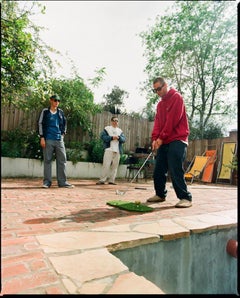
171, 121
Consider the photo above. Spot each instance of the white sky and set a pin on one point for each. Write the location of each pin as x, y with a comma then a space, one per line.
97, 34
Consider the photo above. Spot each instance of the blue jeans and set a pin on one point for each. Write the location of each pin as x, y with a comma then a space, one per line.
59, 148
170, 158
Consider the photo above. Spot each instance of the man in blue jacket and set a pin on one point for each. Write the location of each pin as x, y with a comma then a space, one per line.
113, 138
52, 128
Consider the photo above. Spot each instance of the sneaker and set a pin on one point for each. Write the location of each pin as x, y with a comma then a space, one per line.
112, 183
46, 186
66, 185
156, 199
183, 204
100, 183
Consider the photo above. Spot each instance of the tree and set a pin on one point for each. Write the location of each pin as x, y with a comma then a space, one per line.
27, 70
99, 77
78, 102
149, 112
196, 49
211, 131
25, 64
114, 100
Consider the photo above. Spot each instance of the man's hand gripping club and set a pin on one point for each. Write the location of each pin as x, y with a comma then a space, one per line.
156, 144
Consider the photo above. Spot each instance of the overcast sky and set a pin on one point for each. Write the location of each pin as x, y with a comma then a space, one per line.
97, 34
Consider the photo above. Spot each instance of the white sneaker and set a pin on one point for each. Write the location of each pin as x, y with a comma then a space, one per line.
183, 204
45, 186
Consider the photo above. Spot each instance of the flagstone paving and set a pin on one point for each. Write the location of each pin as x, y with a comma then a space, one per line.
59, 240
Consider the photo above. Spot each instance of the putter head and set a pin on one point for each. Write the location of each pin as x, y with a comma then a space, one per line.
119, 192
143, 188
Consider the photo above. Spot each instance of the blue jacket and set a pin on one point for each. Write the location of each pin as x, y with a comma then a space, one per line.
107, 139
43, 122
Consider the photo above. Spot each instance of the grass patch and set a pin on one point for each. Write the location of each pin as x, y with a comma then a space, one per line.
130, 206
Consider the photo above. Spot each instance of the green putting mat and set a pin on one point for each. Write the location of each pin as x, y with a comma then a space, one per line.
130, 206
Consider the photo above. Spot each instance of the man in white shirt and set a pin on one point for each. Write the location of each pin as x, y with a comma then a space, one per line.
113, 138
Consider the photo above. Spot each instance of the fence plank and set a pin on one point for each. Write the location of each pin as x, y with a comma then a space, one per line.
137, 131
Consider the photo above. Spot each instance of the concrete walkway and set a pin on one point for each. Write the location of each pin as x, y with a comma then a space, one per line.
59, 241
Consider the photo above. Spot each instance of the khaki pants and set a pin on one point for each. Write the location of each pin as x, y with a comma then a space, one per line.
110, 165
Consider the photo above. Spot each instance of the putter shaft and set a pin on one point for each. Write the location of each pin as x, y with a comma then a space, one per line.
119, 192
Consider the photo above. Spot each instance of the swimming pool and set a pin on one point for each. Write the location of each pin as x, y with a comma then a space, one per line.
198, 264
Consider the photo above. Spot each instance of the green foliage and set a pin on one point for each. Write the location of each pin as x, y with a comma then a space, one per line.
21, 143
135, 115
76, 101
233, 165
149, 111
24, 58
9, 149
211, 131
97, 80
74, 145
74, 155
196, 48
26, 144
123, 159
95, 150
27, 71
114, 100
17, 51
74, 151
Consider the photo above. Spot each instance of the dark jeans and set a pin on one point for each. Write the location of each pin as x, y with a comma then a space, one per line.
170, 159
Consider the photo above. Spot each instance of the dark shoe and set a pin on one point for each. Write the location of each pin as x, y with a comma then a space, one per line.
45, 186
100, 183
112, 183
183, 204
156, 199
66, 185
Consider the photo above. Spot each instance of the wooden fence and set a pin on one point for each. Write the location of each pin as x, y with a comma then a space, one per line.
137, 131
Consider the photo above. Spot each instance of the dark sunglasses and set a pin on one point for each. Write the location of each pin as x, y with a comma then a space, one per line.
115, 120
56, 100
158, 89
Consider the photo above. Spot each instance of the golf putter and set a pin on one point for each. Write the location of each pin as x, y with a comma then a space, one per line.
122, 192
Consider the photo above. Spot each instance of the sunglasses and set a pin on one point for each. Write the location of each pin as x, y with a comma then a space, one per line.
115, 120
158, 89
56, 100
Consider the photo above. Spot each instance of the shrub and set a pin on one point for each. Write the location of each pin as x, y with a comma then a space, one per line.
95, 150
74, 155
123, 159
21, 143
26, 144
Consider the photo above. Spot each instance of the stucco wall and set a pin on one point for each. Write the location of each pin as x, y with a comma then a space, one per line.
23, 167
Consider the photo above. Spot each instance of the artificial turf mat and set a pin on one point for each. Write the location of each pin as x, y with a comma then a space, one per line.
130, 206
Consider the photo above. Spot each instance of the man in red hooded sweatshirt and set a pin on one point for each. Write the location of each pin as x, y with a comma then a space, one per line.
170, 139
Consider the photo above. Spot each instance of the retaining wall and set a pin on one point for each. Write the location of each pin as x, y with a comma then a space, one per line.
24, 167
